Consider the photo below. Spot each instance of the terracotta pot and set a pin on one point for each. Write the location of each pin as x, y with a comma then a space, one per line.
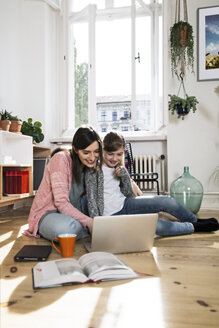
183, 33
15, 126
5, 125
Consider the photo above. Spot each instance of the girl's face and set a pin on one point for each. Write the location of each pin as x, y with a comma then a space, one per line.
113, 158
89, 155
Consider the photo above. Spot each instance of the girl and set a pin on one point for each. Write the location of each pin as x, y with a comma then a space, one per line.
109, 192
57, 207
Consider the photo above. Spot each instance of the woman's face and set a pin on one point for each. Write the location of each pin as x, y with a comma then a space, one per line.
89, 155
113, 158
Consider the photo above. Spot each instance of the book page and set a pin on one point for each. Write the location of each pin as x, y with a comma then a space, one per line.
58, 272
98, 265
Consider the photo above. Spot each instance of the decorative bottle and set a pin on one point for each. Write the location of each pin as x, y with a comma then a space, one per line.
188, 191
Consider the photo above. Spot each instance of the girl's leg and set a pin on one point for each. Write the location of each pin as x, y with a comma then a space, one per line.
54, 224
171, 228
155, 204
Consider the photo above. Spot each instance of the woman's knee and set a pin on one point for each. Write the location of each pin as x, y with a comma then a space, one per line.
53, 225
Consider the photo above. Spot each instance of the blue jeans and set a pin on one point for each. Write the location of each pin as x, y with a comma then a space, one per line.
53, 224
155, 204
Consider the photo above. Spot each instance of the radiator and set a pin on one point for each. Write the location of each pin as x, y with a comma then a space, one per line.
150, 164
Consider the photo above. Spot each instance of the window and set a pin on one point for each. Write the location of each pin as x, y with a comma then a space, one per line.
103, 116
114, 116
126, 114
117, 64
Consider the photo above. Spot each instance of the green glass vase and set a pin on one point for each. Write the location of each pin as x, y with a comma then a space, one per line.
188, 191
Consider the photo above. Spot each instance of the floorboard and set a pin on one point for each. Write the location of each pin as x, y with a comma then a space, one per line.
181, 289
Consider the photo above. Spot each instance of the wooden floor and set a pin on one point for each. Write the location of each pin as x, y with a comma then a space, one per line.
181, 288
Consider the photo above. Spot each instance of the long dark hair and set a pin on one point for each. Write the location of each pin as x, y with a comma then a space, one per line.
83, 138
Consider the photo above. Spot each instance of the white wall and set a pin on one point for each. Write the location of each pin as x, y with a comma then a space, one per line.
194, 142
28, 62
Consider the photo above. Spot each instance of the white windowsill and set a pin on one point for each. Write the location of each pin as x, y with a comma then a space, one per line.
132, 136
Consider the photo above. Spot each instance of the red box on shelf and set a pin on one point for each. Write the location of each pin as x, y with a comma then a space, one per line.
16, 182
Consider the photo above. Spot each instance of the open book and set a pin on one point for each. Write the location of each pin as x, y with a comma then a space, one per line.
91, 267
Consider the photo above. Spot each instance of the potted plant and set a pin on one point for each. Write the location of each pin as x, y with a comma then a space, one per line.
33, 129
182, 106
181, 47
16, 124
5, 120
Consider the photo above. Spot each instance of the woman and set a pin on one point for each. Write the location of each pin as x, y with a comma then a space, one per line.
57, 206
109, 192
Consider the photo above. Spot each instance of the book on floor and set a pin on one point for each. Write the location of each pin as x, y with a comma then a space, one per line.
91, 267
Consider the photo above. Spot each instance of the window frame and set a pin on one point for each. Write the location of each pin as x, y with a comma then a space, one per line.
155, 9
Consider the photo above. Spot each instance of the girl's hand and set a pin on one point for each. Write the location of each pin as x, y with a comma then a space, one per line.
118, 171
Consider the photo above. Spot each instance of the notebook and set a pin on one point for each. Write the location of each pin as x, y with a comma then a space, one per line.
123, 233
33, 253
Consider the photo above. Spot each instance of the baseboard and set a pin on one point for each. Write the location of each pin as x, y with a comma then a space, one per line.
210, 201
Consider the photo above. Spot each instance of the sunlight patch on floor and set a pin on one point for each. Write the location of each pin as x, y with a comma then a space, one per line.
5, 221
5, 236
7, 289
76, 298
22, 228
5, 250
214, 245
145, 301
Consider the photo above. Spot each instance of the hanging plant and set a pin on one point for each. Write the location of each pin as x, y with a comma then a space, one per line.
182, 106
181, 42
181, 47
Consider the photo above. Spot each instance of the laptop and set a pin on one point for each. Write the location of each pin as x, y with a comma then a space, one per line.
123, 233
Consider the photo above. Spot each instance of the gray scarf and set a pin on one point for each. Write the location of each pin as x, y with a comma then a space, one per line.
94, 181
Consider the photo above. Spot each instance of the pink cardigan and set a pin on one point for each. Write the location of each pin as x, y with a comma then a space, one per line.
53, 193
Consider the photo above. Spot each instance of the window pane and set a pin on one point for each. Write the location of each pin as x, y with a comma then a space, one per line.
81, 73
113, 57
160, 77
143, 72
113, 73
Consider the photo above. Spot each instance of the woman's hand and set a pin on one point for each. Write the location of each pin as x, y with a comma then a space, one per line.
90, 226
136, 190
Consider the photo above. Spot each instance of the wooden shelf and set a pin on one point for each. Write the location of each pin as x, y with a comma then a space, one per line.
17, 152
9, 200
41, 151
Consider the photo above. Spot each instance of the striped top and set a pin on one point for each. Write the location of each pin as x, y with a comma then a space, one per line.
53, 193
